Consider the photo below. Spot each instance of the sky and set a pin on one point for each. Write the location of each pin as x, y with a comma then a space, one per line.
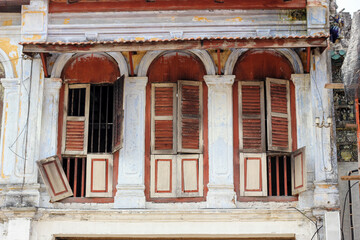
349, 5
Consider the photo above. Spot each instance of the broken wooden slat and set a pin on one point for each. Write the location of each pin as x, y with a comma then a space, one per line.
334, 85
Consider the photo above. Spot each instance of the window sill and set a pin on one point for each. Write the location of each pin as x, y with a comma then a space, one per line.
269, 199
87, 200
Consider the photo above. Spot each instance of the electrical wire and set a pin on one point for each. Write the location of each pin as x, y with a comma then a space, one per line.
314, 222
344, 208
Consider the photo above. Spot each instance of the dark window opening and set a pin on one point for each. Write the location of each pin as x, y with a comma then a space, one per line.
75, 170
279, 175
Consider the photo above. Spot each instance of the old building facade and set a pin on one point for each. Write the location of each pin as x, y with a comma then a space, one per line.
167, 119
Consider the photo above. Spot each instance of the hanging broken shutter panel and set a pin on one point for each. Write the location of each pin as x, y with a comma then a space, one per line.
278, 114
76, 119
251, 117
253, 180
190, 107
163, 118
99, 175
54, 178
118, 113
298, 171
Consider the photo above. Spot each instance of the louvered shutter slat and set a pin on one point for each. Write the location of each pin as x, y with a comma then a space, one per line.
190, 116
75, 126
163, 118
118, 113
279, 118
251, 116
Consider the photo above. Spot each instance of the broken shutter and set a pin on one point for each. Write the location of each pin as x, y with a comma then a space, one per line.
76, 119
54, 178
253, 180
163, 118
298, 171
251, 117
190, 116
163, 176
118, 113
99, 169
278, 114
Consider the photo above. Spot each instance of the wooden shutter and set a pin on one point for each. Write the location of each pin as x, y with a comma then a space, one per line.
190, 175
190, 108
118, 113
99, 175
75, 126
163, 118
54, 178
251, 117
163, 172
298, 171
253, 180
278, 114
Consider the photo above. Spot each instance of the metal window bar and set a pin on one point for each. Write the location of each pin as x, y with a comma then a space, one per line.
75, 168
279, 174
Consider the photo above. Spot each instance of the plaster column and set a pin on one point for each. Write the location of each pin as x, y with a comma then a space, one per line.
305, 127
131, 186
50, 115
19, 222
221, 192
326, 193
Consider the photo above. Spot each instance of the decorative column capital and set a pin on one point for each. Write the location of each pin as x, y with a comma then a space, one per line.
53, 83
219, 79
10, 82
137, 82
301, 80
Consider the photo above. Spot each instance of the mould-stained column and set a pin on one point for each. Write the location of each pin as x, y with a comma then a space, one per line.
326, 193
34, 21
305, 127
221, 173
317, 17
50, 114
130, 188
9, 131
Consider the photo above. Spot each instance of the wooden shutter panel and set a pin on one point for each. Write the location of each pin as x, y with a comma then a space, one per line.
298, 171
54, 178
190, 108
278, 114
75, 126
118, 113
251, 117
190, 175
253, 180
99, 175
163, 118
163, 172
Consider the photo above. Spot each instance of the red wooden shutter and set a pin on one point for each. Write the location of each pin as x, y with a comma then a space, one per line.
99, 175
54, 178
190, 109
118, 113
298, 171
163, 118
75, 127
253, 180
278, 114
251, 117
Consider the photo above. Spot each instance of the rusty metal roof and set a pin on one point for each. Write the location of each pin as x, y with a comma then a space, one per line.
155, 40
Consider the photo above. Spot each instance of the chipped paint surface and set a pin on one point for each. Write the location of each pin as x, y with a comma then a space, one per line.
201, 19
235, 19
7, 23
12, 51
139, 38
66, 20
136, 58
34, 37
3, 140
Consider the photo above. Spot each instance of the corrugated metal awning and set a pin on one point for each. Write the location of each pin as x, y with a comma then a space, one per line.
178, 44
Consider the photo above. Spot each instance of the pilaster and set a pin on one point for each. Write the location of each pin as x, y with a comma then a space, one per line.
317, 17
19, 222
50, 114
130, 188
221, 173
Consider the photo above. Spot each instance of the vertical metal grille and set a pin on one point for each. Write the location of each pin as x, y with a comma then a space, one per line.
76, 102
100, 119
279, 175
75, 169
